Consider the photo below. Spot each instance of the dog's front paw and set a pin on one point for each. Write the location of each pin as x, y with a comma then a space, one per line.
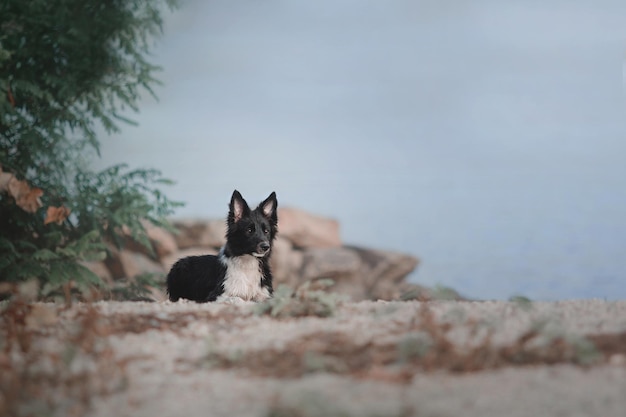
230, 300
264, 295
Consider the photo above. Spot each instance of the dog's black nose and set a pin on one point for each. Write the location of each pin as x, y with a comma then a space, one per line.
264, 246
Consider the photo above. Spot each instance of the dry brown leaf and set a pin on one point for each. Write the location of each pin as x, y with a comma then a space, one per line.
56, 214
27, 198
17, 188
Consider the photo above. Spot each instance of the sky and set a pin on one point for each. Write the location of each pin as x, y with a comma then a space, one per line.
485, 138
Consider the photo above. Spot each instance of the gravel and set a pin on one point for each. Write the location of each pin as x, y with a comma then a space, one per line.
171, 355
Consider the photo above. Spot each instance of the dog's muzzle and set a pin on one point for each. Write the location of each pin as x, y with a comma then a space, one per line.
262, 249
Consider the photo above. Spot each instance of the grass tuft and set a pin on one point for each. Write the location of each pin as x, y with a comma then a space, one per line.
310, 299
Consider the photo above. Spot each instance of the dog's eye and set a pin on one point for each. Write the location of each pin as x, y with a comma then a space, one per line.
265, 230
250, 229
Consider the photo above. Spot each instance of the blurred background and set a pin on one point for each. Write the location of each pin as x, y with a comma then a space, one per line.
485, 137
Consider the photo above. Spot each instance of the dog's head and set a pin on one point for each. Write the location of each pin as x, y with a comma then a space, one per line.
251, 232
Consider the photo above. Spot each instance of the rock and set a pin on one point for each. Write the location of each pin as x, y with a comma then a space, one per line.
359, 273
127, 264
163, 242
194, 233
171, 259
306, 230
341, 264
113, 263
329, 263
160, 241
100, 269
383, 272
384, 266
286, 263
135, 263
308, 247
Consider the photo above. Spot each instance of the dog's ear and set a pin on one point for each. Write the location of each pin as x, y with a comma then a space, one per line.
268, 207
237, 208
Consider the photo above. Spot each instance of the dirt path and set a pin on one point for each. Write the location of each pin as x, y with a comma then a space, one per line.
412, 358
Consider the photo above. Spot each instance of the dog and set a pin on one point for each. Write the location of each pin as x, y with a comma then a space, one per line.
241, 270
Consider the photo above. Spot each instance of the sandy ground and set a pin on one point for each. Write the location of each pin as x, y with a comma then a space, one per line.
441, 358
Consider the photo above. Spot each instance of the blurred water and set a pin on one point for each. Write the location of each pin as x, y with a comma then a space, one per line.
485, 137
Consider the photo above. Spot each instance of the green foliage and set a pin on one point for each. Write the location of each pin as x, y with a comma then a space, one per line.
305, 301
68, 67
522, 302
415, 345
441, 292
135, 288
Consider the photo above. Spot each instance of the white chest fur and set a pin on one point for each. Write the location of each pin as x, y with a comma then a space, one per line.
243, 278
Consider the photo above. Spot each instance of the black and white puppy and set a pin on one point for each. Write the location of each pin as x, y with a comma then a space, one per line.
241, 269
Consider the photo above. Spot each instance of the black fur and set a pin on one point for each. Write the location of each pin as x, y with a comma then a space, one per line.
202, 278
